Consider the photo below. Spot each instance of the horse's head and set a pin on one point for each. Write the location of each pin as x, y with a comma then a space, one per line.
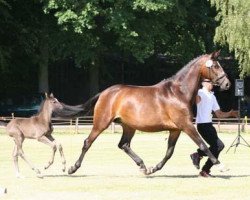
53, 103
211, 69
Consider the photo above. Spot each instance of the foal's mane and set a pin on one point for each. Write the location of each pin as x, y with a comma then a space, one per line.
40, 108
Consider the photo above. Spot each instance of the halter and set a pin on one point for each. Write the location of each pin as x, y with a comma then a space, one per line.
215, 83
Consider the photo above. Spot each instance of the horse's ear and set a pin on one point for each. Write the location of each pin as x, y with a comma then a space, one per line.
51, 95
215, 54
46, 95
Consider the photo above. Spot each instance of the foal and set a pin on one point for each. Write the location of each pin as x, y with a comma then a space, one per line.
38, 127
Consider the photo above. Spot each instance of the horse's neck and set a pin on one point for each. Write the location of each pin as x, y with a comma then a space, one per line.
189, 82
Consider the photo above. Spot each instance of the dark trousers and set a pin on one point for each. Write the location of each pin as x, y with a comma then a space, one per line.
209, 134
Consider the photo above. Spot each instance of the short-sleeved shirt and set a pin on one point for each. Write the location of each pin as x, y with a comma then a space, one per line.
205, 107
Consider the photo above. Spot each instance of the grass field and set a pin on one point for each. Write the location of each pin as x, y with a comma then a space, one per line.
108, 173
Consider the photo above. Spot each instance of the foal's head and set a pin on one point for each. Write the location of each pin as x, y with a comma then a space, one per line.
52, 104
211, 69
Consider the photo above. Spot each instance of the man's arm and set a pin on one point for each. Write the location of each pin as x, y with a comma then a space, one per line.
231, 113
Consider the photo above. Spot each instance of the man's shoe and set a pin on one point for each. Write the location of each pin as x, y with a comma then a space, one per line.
205, 174
196, 159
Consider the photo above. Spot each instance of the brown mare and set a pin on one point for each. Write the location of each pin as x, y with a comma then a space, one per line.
164, 106
38, 127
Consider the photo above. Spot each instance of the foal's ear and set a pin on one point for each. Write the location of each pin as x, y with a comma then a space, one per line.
46, 95
215, 54
51, 95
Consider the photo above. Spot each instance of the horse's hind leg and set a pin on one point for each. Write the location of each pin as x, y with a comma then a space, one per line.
173, 137
124, 144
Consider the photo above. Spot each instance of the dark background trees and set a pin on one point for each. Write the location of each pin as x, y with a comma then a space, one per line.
77, 48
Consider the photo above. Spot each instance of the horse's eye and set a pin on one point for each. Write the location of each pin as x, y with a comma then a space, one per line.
216, 66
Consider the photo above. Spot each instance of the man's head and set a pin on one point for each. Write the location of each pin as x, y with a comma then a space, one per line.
207, 84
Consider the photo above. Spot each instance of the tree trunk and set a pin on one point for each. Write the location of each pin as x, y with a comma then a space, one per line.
43, 75
94, 78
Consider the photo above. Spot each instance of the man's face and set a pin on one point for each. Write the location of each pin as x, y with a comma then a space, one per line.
208, 84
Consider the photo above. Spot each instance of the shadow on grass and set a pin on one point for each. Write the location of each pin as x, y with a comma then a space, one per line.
147, 177
196, 176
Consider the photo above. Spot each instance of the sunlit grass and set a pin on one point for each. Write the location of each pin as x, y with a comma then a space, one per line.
108, 173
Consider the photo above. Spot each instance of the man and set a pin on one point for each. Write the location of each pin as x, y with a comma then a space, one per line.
206, 103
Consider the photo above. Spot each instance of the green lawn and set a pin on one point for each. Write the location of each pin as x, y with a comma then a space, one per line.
108, 173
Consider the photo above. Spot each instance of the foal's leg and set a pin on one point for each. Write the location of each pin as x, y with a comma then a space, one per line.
124, 144
49, 140
19, 142
59, 146
173, 137
15, 159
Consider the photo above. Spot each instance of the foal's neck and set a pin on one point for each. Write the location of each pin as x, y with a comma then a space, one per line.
46, 113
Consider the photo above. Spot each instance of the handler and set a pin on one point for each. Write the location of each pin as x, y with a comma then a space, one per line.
206, 103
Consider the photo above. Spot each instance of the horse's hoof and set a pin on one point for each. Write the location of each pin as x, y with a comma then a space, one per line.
71, 170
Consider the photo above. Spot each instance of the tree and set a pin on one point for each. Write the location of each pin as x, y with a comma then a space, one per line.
134, 29
234, 30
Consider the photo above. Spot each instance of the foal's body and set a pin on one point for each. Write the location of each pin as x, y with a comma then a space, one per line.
164, 106
38, 127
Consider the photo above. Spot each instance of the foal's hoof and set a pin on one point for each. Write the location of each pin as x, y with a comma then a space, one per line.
37, 171
150, 170
39, 175
20, 175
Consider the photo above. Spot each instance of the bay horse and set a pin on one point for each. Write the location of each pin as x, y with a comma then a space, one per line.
37, 127
163, 106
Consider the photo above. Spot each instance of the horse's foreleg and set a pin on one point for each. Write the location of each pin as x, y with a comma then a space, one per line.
194, 135
86, 145
124, 144
173, 137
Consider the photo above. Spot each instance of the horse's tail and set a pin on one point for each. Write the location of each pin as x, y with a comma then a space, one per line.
78, 110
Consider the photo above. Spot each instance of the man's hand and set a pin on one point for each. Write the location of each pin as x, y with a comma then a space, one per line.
234, 113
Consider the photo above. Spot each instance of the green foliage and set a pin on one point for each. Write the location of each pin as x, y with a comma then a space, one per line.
234, 30
140, 28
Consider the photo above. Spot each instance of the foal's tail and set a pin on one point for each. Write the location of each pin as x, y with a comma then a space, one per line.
78, 110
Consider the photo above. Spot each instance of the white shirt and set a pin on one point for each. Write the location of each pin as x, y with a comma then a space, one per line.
205, 107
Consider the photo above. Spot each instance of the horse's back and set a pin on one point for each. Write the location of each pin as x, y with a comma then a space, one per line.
145, 108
